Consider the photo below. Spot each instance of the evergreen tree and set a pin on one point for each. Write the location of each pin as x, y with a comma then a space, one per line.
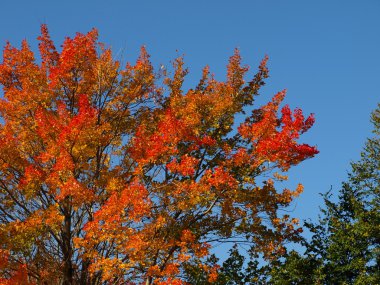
345, 244
235, 270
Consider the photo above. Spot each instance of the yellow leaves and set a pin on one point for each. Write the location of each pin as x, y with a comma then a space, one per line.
160, 222
204, 110
53, 218
115, 184
280, 177
298, 190
287, 195
110, 267
21, 235
138, 81
105, 70
175, 84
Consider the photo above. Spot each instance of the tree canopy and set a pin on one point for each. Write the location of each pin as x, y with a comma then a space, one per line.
116, 175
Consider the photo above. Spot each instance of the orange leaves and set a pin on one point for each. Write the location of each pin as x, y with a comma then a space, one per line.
31, 174
67, 137
24, 233
135, 198
267, 123
23, 83
4, 258
175, 84
171, 269
138, 174
240, 157
17, 67
235, 73
19, 276
287, 196
171, 281
138, 80
213, 274
110, 266
48, 52
76, 191
31, 180
187, 236
130, 203
77, 126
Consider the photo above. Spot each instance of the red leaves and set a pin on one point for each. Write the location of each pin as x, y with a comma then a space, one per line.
221, 178
75, 61
295, 124
63, 127
274, 139
149, 146
62, 132
84, 119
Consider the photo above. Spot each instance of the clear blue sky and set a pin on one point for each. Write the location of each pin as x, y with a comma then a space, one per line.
326, 53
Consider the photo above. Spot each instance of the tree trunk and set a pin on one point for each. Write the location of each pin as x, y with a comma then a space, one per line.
68, 270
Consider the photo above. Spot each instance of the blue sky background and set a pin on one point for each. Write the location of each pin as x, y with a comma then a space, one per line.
326, 53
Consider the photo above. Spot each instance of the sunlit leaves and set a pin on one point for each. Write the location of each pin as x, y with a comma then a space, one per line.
116, 174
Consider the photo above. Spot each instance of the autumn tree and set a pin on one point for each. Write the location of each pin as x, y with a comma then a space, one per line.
116, 175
